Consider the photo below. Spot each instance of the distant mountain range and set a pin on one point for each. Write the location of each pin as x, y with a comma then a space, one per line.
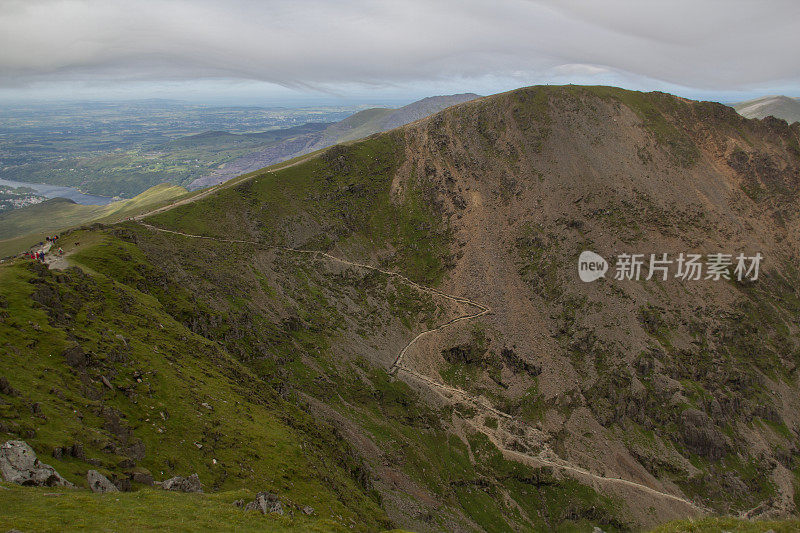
779, 106
360, 125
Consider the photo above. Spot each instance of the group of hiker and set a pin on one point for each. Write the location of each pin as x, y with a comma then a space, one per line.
38, 255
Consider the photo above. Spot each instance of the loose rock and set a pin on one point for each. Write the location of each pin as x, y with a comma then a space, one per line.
183, 484
142, 477
18, 464
99, 483
266, 502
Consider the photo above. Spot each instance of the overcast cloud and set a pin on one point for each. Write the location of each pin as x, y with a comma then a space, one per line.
321, 47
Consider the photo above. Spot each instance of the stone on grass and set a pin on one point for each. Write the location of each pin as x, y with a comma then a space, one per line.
266, 502
143, 477
183, 484
18, 464
99, 483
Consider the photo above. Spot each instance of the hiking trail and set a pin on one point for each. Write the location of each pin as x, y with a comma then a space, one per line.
441, 388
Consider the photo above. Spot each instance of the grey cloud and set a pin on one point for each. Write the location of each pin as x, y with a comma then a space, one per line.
704, 44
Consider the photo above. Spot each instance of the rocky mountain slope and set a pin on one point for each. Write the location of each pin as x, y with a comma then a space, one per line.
783, 107
394, 331
360, 125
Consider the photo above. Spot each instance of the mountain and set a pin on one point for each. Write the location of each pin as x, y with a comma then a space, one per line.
783, 107
423, 108
394, 331
360, 125
223, 139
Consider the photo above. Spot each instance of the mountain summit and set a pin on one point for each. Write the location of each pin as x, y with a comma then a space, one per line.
783, 107
394, 332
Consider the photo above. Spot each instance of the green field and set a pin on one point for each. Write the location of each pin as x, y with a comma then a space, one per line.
122, 149
22, 228
54, 510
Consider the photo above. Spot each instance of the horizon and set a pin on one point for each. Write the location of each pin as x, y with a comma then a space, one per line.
312, 102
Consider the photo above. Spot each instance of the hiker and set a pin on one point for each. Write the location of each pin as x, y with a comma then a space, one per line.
60, 251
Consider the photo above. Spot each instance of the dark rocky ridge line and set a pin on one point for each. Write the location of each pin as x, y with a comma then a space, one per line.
350, 128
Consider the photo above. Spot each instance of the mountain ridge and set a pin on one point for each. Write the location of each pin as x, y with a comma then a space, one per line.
779, 106
358, 125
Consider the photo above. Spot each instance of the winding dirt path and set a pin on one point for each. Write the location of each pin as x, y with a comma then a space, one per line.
442, 388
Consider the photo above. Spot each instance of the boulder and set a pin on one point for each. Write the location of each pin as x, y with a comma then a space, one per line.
183, 484
99, 483
18, 464
76, 451
266, 502
143, 477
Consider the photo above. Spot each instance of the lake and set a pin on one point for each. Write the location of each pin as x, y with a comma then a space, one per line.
55, 191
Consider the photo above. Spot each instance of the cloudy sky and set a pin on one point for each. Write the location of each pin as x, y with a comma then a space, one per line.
316, 51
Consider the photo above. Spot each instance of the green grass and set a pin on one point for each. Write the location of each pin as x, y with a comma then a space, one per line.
46, 509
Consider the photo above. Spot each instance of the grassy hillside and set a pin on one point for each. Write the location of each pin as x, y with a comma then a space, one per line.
21, 228
178, 403
54, 510
144, 510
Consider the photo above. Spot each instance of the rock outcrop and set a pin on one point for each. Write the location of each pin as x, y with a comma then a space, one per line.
142, 476
99, 483
701, 436
183, 484
18, 464
266, 502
